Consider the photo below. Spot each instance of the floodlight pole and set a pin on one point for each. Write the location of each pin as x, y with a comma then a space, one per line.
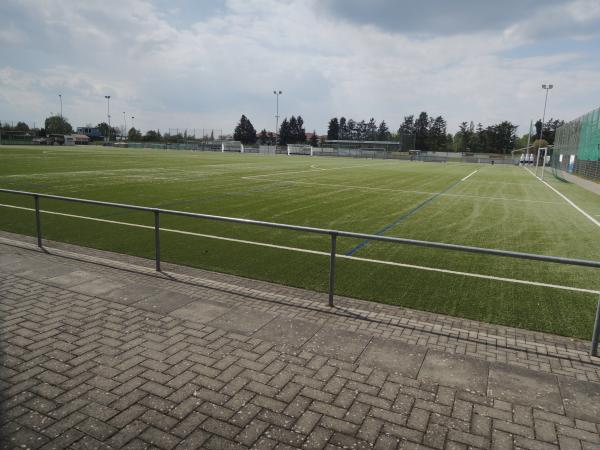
107, 97
528, 143
547, 87
124, 126
60, 99
132, 122
277, 94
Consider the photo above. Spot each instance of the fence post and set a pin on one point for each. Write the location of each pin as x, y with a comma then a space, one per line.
38, 221
596, 334
157, 239
332, 268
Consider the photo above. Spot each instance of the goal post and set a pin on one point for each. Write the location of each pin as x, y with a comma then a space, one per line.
299, 149
232, 146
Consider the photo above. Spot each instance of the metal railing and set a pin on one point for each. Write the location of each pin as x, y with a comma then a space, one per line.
333, 239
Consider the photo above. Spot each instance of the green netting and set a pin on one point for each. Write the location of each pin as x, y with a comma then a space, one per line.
580, 137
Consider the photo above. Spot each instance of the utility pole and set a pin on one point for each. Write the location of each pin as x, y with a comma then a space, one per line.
277, 94
547, 87
107, 97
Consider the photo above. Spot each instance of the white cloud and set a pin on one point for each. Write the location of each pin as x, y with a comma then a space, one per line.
208, 72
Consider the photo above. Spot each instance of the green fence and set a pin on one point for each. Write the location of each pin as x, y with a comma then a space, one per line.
577, 146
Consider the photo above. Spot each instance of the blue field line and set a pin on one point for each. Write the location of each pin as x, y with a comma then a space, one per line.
404, 216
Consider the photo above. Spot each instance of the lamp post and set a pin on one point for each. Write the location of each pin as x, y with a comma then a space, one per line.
277, 94
547, 88
124, 126
107, 97
132, 123
60, 99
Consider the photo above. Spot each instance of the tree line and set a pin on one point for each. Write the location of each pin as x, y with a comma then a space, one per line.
351, 130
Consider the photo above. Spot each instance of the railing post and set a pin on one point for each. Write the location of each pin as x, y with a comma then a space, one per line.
38, 221
157, 239
332, 268
596, 334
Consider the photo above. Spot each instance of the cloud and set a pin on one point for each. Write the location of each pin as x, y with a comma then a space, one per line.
189, 64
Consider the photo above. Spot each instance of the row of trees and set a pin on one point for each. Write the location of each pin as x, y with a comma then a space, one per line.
291, 131
343, 129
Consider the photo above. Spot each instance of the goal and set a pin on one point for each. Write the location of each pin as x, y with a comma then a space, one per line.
231, 146
298, 149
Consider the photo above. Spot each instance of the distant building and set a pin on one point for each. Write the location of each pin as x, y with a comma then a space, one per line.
81, 139
92, 132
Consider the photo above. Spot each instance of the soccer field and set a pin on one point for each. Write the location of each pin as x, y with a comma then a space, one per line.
502, 207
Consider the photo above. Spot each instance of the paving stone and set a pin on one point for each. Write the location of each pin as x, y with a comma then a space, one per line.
340, 344
97, 287
164, 302
89, 371
288, 331
242, 320
200, 311
73, 278
519, 385
393, 356
455, 371
581, 399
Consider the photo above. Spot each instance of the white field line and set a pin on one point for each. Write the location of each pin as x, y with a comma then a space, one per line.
470, 175
366, 188
317, 252
565, 198
315, 169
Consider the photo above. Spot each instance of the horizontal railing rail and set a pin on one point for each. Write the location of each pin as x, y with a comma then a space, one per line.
334, 234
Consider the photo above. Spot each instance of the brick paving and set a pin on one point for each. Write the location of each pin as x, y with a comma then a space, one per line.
100, 352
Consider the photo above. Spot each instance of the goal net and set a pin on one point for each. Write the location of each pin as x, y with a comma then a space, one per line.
231, 146
297, 149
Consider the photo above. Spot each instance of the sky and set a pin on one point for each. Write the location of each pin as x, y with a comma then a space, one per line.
202, 63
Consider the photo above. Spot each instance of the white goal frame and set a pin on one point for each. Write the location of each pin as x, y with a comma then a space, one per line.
307, 150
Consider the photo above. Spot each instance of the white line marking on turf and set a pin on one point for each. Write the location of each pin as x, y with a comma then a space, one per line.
470, 175
366, 188
320, 253
590, 218
249, 177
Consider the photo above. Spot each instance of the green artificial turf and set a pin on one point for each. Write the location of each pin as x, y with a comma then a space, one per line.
497, 207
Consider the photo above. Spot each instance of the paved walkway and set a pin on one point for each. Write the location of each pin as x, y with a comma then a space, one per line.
99, 351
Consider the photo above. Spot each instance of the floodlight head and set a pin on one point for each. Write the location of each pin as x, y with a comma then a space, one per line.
543, 86
107, 96
551, 86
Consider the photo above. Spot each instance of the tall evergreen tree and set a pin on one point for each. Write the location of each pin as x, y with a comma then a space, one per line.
300, 131
333, 130
343, 134
372, 130
408, 126
383, 132
421, 130
314, 139
284, 132
244, 131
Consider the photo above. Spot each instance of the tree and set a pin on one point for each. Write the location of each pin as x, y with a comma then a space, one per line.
549, 129
103, 127
333, 130
244, 131
21, 126
284, 132
436, 139
314, 139
57, 125
383, 132
134, 135
343, 133
408, 126
263, 138
300, 131
152, 136
372, 131
421, 130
